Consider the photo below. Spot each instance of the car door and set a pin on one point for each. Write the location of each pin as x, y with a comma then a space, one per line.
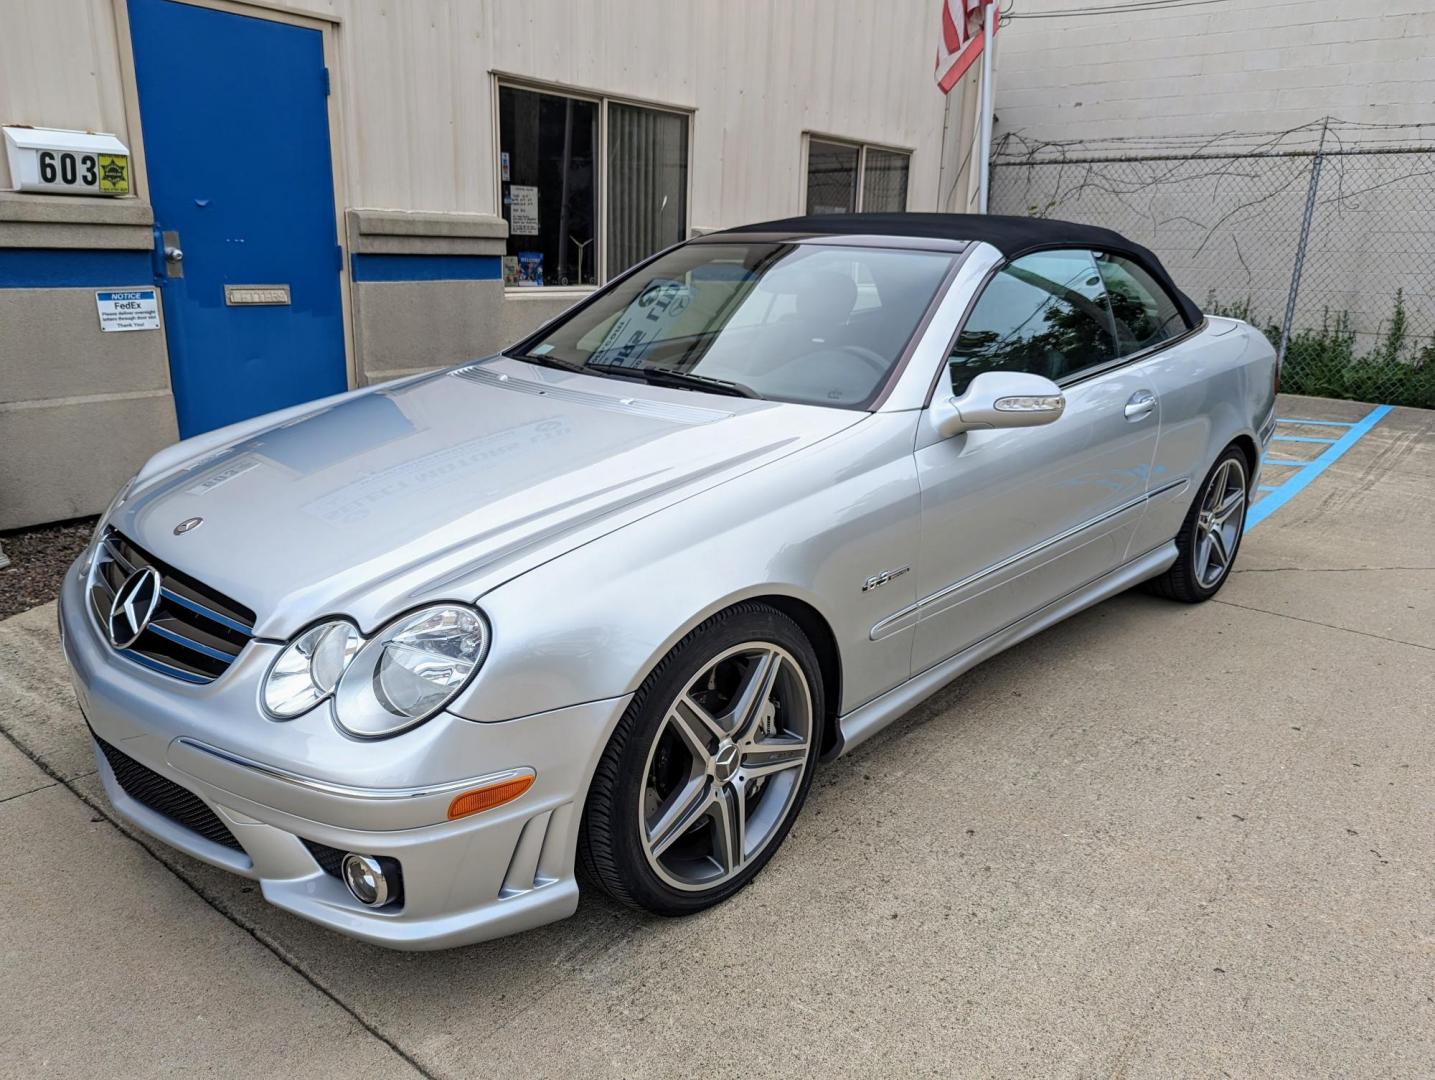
1013, 519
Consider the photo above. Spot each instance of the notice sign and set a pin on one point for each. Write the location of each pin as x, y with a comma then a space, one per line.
128, 309
523, 213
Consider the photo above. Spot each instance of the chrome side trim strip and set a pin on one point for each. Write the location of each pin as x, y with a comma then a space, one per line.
863, 722
888, 624
346, 791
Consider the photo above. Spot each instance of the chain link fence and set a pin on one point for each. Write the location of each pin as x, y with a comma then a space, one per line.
1329, 250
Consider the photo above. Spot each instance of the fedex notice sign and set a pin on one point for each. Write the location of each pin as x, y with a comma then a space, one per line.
128, 309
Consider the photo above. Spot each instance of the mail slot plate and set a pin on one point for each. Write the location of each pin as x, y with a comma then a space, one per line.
256, 295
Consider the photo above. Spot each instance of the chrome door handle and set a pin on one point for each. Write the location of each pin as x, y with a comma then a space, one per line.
1140, 405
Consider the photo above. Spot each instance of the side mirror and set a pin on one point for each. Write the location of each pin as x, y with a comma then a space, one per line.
999, 399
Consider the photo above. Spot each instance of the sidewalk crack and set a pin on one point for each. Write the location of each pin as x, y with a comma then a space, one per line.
250, 928
1328, 626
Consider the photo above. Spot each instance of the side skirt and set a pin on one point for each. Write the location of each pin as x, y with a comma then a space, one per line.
865, 721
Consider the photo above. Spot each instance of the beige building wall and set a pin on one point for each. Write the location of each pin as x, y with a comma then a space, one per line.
1256, 66
414, 128
415, 86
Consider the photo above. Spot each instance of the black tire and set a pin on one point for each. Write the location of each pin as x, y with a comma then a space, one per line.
610, 851
1183, 581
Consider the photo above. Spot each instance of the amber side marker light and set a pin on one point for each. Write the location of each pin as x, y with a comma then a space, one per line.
486, 798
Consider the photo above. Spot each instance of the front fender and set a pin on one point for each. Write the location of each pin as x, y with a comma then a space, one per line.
814, 527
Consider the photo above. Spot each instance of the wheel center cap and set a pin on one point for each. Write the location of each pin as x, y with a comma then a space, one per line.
725, 761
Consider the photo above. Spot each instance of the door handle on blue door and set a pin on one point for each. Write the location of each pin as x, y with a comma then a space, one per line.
1140, 405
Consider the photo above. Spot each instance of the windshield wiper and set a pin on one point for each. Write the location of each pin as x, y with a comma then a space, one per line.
685, 380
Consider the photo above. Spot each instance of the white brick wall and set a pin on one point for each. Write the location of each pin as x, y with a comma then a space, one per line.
1236, 65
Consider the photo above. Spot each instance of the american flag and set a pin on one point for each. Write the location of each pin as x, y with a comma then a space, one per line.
961, 41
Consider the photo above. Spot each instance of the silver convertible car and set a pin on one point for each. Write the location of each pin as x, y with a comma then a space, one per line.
419, 657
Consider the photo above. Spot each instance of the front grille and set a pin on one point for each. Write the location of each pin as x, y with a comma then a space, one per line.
194, 634
183, 807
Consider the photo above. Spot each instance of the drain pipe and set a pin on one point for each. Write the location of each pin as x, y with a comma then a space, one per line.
988, 104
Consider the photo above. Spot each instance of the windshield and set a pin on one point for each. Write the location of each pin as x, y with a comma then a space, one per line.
813, 323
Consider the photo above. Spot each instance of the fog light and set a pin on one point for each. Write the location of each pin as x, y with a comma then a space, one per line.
366, 880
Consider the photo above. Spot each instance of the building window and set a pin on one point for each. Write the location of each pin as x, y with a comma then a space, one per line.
845, 177
552, 176
647, 183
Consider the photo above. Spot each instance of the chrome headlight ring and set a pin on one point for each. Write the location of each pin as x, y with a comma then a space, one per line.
395, 680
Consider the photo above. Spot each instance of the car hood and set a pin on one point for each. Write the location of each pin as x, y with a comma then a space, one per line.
445, 486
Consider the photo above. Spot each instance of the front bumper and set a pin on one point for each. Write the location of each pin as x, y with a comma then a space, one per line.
275, 785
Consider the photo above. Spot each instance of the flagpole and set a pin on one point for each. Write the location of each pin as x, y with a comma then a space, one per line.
984, 139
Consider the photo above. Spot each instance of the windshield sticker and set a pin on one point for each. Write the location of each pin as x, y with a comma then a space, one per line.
647, 319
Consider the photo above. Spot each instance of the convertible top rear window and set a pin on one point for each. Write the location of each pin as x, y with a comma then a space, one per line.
822, 324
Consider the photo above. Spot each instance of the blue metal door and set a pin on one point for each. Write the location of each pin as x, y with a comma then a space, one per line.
236, 141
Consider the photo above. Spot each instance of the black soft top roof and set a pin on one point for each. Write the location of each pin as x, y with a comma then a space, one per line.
1012, 236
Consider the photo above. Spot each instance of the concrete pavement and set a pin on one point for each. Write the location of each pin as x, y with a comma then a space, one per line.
1156, 840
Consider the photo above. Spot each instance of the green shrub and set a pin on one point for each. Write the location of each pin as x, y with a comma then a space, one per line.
1323, 362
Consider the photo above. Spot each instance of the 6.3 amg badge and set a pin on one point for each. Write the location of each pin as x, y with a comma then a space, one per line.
876, 581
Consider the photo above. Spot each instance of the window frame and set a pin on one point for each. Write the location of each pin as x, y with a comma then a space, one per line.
861, 146
1075, 378
602, 100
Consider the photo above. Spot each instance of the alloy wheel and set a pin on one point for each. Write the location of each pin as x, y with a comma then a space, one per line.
725, 766
1219, 523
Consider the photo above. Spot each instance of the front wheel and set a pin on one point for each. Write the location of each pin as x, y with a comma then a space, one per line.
709, 765
1211, 534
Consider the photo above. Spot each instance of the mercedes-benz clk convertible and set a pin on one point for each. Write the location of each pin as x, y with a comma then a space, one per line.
420, 657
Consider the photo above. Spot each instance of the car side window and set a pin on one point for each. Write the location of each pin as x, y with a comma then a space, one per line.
1144, 312
1046, 313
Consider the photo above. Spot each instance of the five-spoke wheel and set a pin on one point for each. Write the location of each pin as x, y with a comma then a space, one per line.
709, 766
1219, 523
1211, 534
725, 765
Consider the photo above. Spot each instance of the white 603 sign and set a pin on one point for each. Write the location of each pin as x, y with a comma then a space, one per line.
67, 162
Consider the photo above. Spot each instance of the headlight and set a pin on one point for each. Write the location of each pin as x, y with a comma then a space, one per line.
410, 670
309, 668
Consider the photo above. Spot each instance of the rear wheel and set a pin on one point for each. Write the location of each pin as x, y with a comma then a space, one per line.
1211, 534
708, 767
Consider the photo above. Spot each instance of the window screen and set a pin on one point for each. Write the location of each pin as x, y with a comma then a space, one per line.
831, 177
884, 181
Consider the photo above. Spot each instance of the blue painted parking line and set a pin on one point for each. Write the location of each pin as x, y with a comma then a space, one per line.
1267, 487
1284, 461
1297, 483
1315, 423
1301, 438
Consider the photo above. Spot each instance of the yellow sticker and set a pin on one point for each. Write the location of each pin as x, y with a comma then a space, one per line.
114, 174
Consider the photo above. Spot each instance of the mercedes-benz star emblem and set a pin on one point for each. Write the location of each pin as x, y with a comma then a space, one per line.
132, 607
187, 524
